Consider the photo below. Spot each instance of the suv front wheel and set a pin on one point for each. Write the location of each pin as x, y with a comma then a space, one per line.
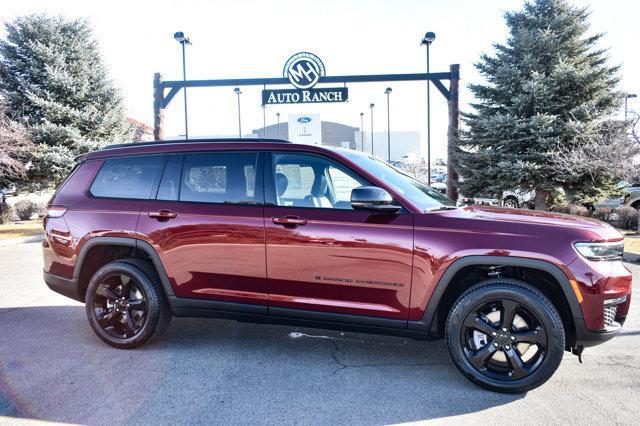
124, 305
505, 335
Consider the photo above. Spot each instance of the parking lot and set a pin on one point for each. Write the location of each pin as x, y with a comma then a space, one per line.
52, 367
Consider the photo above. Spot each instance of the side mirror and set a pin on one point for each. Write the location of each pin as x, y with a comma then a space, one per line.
373, 199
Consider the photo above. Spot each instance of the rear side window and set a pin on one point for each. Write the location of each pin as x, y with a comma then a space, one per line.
170, 183
127, 177
220, 177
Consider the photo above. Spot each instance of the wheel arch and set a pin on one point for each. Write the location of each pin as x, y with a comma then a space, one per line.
111, 248
430, 323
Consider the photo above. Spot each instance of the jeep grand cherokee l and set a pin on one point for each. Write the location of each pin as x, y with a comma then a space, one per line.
269, 231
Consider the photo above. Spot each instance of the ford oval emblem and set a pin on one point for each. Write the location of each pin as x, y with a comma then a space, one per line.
304, 120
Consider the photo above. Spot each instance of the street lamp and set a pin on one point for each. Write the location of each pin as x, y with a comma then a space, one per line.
627, 96
278, 115
362, 131
427, 40
388, 92
371, 106
238, 92
183, 40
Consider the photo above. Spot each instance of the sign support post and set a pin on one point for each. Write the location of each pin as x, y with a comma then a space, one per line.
452, 133
158, 107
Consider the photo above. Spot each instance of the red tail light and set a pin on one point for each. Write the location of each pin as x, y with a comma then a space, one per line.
56, 211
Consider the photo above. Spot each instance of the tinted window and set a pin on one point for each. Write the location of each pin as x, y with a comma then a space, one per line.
310, 181
129, 177
221, 177
170, 183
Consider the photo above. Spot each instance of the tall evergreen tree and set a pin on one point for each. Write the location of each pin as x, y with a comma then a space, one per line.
548, 88
54, 80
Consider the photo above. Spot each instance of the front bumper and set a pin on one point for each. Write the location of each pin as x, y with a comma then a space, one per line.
587, 338
64, 286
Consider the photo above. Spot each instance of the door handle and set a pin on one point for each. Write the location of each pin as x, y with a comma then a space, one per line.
163, 215
289, 221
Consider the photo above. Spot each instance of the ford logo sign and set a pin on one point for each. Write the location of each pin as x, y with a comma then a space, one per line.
304, 120
303, 70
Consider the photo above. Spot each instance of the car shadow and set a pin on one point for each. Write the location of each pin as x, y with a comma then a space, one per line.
52, 367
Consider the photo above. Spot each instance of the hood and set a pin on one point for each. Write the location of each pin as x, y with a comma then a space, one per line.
533, 217
516, 220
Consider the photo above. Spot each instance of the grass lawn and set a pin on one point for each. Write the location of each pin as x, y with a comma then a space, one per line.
24, 228
632, 244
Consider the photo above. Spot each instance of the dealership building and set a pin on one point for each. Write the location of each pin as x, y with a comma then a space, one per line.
310, 129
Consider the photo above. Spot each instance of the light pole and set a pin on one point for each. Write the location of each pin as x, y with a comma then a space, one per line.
627, 96
427, 40
371, 106
238, 92
264, 121
278, 115
388, 92
183, 40
362, 131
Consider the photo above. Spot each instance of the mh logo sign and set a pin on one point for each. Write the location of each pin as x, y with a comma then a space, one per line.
303, 70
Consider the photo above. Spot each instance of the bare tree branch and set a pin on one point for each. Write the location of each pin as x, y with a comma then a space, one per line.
15, 144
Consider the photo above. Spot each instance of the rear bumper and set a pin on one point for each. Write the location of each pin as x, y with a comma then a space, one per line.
64, 286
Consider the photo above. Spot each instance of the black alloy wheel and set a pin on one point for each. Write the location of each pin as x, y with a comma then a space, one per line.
503, 340
125, 304
120, 305
505, 335
510, 202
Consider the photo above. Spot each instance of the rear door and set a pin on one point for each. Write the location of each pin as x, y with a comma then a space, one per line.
323, 256
206, 223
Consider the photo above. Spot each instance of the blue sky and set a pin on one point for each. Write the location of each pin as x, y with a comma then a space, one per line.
254, 39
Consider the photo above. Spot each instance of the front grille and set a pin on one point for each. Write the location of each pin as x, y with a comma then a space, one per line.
610, 315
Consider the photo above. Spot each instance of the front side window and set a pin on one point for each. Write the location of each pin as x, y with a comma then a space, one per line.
419, 194
128, 177
220, 177
303, 180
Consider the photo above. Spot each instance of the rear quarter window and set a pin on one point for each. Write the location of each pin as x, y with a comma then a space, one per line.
127, 177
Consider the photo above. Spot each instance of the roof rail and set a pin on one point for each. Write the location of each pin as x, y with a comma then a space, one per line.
190, 141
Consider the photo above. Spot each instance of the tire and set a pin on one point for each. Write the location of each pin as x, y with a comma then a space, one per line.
510, 202
636, 205
125, 305
493, 361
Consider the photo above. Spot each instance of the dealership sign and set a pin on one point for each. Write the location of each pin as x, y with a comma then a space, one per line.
304, 70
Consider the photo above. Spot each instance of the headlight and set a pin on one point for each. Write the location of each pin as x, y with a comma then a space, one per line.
601, 251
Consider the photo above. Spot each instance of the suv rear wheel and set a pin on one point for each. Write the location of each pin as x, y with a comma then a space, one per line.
124, 305
505, 335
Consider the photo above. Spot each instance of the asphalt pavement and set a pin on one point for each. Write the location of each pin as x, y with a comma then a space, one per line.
53, 368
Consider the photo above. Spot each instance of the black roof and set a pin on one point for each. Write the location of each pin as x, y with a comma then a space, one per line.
189, 141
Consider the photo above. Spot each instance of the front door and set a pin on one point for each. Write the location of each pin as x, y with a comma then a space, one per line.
207, 226
324, 256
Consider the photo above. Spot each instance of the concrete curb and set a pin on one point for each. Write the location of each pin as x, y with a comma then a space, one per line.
12, 241
631, 257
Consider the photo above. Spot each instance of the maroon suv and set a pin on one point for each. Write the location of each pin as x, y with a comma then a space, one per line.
269, 231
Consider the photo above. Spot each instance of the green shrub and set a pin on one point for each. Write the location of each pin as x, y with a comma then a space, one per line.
627, 217
601, 214
560, 208
5, 213
573, 209
25, 209
42, 210
578, 210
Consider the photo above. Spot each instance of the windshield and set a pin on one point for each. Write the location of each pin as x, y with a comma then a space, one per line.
419, 194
